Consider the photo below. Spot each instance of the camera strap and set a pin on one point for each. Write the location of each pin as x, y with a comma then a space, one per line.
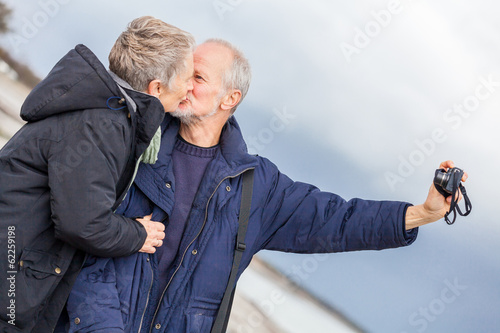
454, 204
222, 319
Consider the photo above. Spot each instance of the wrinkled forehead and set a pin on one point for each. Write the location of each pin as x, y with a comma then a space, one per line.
212, 59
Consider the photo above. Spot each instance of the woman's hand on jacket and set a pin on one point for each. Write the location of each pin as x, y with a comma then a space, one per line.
156, 234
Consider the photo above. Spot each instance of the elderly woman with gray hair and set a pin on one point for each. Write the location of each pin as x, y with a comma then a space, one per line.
63, 175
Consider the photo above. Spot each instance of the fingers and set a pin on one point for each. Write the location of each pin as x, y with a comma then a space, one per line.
155, 234
155, 230
148, 249
150, 245
447, 165
450, 164
152, 226
465, 176
458, 194
159, 226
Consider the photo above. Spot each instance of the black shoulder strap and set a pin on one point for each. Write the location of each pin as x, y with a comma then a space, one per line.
222, 319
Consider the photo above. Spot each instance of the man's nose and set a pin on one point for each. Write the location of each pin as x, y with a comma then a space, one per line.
190, 85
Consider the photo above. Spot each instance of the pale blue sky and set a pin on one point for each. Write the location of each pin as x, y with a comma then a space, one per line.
372, 96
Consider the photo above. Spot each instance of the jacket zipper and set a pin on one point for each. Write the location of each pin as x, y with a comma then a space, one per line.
191, 243
147, 299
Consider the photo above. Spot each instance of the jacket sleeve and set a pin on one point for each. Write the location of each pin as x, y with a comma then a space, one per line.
84, 167
298, 217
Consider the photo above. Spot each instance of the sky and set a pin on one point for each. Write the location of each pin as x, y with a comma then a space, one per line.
362, 98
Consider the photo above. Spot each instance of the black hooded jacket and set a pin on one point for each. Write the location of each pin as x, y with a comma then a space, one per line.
61, 178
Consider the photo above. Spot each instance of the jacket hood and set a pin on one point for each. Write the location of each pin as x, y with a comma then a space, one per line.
78, 81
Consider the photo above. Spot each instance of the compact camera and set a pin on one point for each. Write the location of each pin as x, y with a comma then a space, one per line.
448, 182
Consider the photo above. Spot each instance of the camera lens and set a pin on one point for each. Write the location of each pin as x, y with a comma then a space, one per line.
442, 179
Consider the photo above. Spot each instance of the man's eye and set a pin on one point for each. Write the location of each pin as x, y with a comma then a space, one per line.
198, 77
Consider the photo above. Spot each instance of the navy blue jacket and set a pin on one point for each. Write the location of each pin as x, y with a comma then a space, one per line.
116, 295
61, 177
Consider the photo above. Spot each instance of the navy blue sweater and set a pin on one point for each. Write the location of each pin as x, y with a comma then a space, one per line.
189, 164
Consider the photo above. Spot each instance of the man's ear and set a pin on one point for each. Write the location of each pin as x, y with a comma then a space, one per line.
154, 88
230, 100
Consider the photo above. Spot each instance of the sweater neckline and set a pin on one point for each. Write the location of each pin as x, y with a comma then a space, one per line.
185, 147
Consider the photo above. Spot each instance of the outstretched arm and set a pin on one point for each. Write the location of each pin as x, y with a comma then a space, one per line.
298, 217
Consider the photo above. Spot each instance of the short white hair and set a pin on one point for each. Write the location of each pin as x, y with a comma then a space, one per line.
239, 74
148, 50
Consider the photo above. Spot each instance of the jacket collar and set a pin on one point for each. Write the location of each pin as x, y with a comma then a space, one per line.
231, 160
233, 157
234, 149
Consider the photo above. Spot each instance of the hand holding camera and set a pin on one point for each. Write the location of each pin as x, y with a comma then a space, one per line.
449, 183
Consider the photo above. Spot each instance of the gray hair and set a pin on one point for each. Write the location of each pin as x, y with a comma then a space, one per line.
239, 74
148, 50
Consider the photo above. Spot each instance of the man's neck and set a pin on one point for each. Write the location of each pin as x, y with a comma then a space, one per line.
202, 134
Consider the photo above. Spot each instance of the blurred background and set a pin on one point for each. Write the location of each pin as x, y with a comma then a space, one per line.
360, 98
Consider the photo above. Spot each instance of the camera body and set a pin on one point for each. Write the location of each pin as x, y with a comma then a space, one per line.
446, 182
449, 183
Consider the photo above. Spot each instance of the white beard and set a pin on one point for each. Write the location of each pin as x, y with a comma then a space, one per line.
187, 116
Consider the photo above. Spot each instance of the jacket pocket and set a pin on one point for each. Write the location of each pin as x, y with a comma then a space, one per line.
39, 274
200, 315
93, 304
